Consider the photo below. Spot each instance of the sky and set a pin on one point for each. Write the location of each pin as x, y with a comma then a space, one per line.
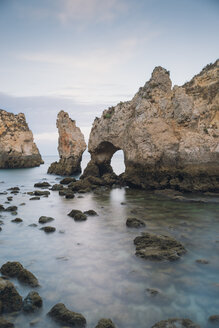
82, 56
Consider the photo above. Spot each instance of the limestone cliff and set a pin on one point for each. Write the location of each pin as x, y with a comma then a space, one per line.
71, 146
17, 148
169, 136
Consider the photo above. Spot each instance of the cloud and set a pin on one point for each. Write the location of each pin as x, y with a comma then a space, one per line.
97, 10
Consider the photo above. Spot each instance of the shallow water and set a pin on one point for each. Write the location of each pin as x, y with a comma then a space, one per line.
91, 266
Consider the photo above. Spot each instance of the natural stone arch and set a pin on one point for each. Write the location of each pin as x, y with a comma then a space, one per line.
100, 162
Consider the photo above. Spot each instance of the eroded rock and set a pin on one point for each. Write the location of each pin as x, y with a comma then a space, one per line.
16, 142
158, 247
10, 299
71, 147
169, 136
16, 270
66, 317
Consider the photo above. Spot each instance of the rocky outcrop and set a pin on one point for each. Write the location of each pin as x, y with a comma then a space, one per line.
71, 147
169, 136
17, 148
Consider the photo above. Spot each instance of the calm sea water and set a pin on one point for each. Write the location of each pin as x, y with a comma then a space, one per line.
91, 266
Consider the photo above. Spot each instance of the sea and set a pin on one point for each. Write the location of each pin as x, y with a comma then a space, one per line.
91, 266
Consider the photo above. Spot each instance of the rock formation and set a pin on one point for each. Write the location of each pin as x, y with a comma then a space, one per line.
71, 147
169, 136
17, 148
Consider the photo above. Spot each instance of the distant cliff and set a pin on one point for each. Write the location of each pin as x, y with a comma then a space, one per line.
169, 136
17, 148
71, 146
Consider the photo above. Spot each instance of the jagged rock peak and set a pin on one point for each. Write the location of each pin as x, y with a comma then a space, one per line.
17, 148
71, 146
169, 136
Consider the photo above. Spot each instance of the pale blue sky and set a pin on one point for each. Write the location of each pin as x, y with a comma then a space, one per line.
85, 55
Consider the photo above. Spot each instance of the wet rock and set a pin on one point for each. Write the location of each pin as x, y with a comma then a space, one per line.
5, 323
14, 189
66, 317
14, 213
214, 318
32, 302
74, 212
45, 219
67, 180
91, 213
45, 193
16, 270
2, 208
0, 228
135, 223
176, 323
15, 192
1, 222
80, 185
10, 299
80, 217
17, 220
48, 229
9, 198
57, 187
32, 225
22, 204
11, 209
158, 247
202, 261
105, 323
35, 198
63, 192
42, 185
69, 195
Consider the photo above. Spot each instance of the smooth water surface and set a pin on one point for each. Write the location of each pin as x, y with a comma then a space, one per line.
91, 266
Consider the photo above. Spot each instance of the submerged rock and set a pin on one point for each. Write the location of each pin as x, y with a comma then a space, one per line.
105, 323
57, 187
74, 212
45, 193
158, 247
32, 302
16, 270
71, 147
202, 261
35, 198
10, 299
80, 217
16, 142
45, 219
135, 223
66, 317
17, 220
11, 209
176, 323
169, 136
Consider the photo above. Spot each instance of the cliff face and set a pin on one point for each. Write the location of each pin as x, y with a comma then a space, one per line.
170, 136
71, 147
17, 148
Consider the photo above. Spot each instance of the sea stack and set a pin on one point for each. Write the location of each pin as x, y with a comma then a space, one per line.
17, 148
169, 136
71, 146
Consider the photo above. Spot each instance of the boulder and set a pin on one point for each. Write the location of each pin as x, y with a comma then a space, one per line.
42, 185
45, 219
16, 270
10, 299
134, 223
57, 187
11, 209
158, 247
48, 229
91, 213
66, 317
32, 302
45, 193
18, 149
67, 180
17, 220
71, 147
